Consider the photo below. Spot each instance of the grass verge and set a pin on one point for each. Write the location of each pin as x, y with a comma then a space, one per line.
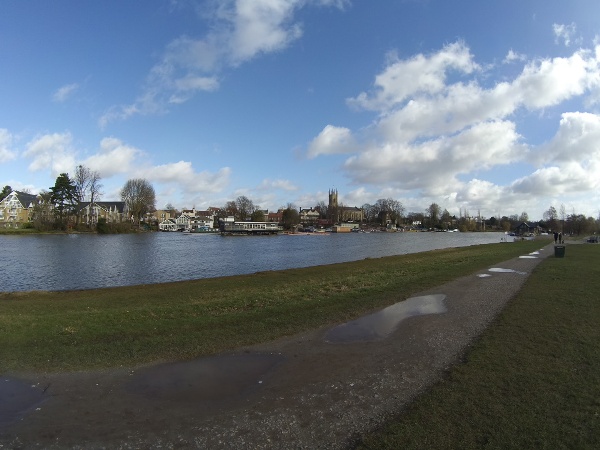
531, 381
75, 330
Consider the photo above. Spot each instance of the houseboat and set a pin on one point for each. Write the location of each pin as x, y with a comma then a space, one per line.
229, 227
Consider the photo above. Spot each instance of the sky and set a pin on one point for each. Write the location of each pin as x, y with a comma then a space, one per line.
486, 108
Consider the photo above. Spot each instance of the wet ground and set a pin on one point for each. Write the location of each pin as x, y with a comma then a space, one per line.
320, 389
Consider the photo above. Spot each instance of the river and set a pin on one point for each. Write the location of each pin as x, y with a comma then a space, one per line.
84, 261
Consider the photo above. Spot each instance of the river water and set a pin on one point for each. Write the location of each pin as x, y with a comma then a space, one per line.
84, 261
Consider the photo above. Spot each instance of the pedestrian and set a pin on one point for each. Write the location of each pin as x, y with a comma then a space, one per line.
560, 239
555, 237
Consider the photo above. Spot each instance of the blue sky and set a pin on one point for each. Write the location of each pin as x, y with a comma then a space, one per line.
488, 107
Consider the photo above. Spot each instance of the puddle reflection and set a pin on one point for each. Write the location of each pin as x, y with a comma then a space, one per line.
203, 380
379, 325
500, 270
16, 399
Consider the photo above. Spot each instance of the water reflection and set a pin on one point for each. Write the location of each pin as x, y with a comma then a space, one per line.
16, 399
60, 262
204, 380
500, 270
382, 323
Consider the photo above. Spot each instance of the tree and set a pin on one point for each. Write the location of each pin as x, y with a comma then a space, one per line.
434, 212
63, 197
139, 197
258, 216
87, 184
170, 209
5, 191
42, 211
290, 217
524, 217
551, 218
245, 207
322, 208
446, 219
386, 210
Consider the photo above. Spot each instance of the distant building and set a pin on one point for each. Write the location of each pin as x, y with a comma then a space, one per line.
16, 209
337, 213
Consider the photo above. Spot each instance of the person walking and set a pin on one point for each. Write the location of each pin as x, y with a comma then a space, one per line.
555, 237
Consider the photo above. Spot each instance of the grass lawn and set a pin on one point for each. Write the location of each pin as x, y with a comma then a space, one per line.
532, 380
74, 330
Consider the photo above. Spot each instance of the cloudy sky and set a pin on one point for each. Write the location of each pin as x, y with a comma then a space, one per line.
488, 107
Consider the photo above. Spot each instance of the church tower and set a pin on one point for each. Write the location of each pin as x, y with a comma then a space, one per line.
333, 209
333, 199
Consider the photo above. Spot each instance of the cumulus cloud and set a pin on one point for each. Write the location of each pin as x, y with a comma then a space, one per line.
332, 140
51, 151
6, 142
437, 126
113, 157
577, 139
240, 30
183, 175
420, 74
63, 93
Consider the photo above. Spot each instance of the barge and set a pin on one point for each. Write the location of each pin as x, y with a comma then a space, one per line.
229, 227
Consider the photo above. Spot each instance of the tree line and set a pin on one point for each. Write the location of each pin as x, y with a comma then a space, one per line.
60, 206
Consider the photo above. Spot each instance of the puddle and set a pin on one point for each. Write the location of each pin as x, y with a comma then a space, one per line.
17, 398
484, 275
379, 325
212, 379
500, 270
528, 257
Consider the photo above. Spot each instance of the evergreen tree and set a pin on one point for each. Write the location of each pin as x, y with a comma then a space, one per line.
63, 197
5, 191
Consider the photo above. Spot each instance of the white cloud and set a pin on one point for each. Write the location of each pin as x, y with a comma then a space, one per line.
434, 165
114, 157
577, 139
418, 75
183, 175
513, 56
240, 30
433, 130
565, 34
6, 142
51, 151
332, 140
285, 185
63, 93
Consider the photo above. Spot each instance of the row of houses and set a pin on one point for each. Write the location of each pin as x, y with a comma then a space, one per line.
20, 208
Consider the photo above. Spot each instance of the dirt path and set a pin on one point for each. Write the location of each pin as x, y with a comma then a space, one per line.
298, 392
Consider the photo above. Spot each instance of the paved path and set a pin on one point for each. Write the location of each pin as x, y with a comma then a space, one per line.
298, 392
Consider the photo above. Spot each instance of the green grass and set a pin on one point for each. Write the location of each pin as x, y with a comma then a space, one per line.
532, 381
74, 330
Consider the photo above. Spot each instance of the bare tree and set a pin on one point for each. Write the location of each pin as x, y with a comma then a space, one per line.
245, 207
322, 208
95, 187
139, 197
81, 180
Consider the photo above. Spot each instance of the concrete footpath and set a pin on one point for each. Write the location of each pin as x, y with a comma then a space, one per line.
320, 389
